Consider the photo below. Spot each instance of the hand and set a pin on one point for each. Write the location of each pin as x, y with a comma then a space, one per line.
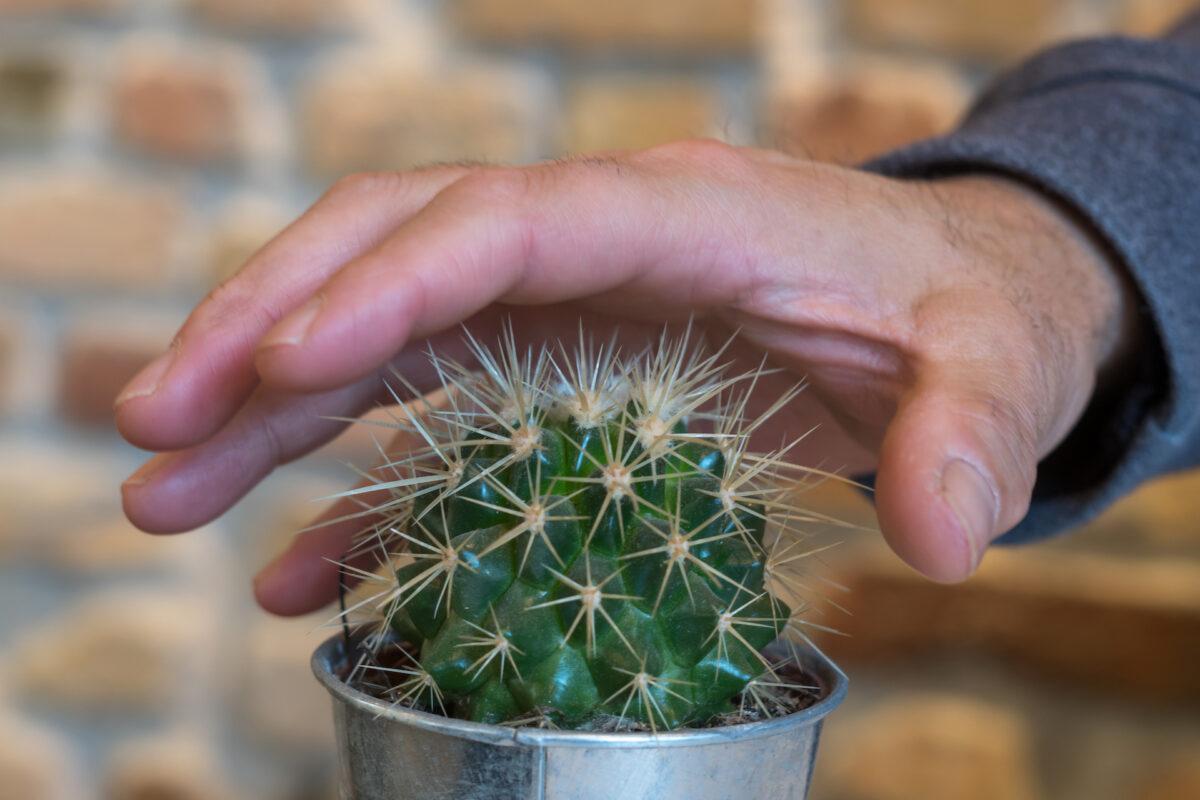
953, 330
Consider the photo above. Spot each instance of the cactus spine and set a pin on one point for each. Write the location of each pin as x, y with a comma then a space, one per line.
580, 538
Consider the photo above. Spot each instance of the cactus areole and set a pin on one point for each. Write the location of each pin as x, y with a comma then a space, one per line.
581, 539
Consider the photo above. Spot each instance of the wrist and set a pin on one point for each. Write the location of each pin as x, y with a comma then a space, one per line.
1058, 255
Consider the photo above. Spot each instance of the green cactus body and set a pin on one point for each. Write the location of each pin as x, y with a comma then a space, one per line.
586, 547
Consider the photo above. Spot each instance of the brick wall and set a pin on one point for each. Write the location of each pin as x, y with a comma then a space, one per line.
147, 147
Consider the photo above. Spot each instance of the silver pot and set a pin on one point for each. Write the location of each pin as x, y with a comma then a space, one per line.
395, 753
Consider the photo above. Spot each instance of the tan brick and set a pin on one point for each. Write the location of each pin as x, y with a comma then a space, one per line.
931, 746
357, 443
62, 513
1110, 623
700, 26
1178, 778
100, 353
874, 108
125, 653
272, 17
983, 29
88, 535
27, 359
85, 7
110, 545
1152, 17
43, 488
178, 767
77, 228
1161, 514
374, 114
10, 341
244, 226
630, 113
36, 763
285, 512
31, 90
173, 103
278, 700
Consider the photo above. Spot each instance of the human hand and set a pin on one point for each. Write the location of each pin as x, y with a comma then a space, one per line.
952, 330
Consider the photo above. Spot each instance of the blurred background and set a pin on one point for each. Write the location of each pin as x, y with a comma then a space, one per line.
147, 147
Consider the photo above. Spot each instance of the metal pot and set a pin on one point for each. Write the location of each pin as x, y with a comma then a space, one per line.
395, 753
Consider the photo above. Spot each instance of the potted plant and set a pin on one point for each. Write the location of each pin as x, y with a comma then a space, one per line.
587, 590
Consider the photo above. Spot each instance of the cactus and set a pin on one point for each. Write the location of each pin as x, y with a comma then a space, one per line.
581, 538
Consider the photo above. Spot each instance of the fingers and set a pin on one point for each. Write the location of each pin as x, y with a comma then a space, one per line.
182, 490
535, 236
957, 466
305, 576
188, 393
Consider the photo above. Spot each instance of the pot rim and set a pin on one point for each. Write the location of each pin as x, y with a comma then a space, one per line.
332, 652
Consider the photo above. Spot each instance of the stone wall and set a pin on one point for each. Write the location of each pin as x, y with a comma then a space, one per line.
147, 147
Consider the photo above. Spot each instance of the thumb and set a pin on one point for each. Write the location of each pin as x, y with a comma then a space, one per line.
957, 467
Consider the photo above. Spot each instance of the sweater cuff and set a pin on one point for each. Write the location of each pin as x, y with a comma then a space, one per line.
1109, 128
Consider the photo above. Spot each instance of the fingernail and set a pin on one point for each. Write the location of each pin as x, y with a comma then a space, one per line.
973, 501
294, 328
146, 382
144, 473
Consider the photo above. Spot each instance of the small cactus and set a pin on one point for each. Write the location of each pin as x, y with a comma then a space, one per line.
580, 538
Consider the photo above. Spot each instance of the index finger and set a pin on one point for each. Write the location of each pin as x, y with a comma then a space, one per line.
184, 396
642, 238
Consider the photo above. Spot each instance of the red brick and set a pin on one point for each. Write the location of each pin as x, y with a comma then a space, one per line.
984, 29
627, 113
705, 27
1113, 624
75, 229
180, 105
374, 114
100, 354
873, 109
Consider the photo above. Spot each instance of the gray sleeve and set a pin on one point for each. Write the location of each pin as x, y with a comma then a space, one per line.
1110, 127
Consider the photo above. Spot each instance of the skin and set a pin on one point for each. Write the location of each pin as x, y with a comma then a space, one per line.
952, 331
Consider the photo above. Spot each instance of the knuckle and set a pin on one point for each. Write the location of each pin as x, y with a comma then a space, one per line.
272, 441
227, 300
1002, 418
1004, 430
707, 151
357, 183
347, 185
231, 305
493, 186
